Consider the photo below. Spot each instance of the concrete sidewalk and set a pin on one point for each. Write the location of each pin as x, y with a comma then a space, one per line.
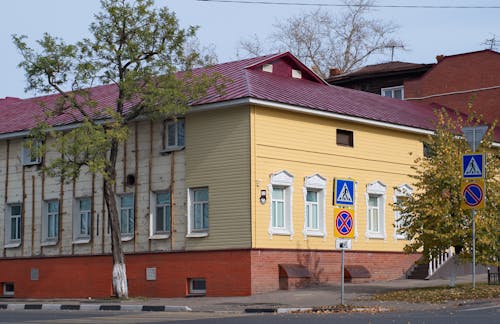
321, 296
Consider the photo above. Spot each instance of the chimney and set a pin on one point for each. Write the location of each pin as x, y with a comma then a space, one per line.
334, 72
440, 57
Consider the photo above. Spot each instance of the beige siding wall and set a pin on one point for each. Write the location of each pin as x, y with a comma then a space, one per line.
218, 157
140, 156
305, 145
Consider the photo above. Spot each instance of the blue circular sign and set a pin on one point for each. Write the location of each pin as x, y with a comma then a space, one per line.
344, 222
473, 194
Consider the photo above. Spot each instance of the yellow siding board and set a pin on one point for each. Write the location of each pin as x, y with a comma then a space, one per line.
305, 145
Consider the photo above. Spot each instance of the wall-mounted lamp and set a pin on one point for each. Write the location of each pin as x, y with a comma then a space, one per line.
263, 197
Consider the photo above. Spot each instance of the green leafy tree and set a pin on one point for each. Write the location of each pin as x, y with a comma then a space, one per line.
137, 49
432, 217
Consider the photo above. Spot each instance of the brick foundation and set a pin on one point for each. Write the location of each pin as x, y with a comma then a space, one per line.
325, 265
227, 273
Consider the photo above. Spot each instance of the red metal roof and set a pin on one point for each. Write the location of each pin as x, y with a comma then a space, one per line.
248, 80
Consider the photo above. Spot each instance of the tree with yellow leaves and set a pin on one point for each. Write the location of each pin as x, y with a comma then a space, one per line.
432, 218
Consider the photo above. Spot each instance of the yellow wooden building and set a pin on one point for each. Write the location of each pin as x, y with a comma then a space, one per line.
234, 198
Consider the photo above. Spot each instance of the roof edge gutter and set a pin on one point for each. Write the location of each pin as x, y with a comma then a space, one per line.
310, 111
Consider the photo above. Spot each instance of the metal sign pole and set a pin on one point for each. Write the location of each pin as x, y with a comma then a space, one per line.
473, 249
474, 227
342, 280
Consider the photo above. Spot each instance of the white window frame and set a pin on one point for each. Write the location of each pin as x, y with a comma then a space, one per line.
197, 232
392, 89
27, 157
403, 190
315, 183
78, 213
284, 180
127, 236
8, 293
154, 232
9, 241
179, 125
46, 223
377, 189
193, 291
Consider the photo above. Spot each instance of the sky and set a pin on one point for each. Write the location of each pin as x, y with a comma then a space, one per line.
427, 32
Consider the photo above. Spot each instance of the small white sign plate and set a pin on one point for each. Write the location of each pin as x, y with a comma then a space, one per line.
343, 244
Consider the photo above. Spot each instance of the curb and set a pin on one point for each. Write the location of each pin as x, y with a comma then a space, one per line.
278, 310
95, 307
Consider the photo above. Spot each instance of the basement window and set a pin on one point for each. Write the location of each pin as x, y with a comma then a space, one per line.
8, 289
345, 138
197, 286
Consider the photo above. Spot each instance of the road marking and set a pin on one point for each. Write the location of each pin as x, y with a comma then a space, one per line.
479, 308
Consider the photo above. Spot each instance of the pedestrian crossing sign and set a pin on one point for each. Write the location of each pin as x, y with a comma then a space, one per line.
344, 192
473, 166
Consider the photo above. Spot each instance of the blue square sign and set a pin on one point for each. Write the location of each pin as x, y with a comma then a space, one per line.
472, 166
344, 192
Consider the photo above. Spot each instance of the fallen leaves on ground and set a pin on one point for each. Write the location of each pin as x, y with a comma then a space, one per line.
441, 294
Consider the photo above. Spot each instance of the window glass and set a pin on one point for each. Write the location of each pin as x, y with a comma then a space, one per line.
345, 137
199, 209
52, 219
127, 214
278, 203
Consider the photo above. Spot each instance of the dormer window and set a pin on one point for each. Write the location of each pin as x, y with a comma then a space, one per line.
393, 92
267, 68
296, 74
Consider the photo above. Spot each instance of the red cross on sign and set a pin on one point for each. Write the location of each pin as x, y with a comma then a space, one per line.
343, 222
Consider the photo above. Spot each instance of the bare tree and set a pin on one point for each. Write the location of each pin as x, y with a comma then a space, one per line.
324, 40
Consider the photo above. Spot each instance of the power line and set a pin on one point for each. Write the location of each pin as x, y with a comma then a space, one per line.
349, 5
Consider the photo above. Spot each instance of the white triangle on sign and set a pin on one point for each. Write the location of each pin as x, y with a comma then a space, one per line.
345, 195
472, 169
474, 135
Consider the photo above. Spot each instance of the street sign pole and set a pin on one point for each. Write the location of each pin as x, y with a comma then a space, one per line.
474, 136
342, 280
473, 249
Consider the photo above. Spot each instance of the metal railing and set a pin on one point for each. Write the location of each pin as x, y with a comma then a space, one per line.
493, 277
436, 263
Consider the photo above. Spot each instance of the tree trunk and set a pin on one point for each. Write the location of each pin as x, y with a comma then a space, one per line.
120, 287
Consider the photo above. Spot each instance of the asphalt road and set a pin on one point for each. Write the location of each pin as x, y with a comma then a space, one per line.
485, 314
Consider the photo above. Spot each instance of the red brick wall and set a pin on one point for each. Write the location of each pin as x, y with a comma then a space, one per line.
227, 274
458, 73
325, 265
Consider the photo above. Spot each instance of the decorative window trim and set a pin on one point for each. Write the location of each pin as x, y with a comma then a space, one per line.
126, 236
79, 238
403, 190
153, 234
392, 89
191, 232
46, 240
9, 242
378, 189
26, 156
317, 183
282, 179
177, 146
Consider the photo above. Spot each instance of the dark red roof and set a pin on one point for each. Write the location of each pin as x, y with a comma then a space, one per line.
248, 80
382, 69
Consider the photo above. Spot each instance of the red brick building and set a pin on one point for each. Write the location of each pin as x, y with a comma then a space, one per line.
454, 81
459, 79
